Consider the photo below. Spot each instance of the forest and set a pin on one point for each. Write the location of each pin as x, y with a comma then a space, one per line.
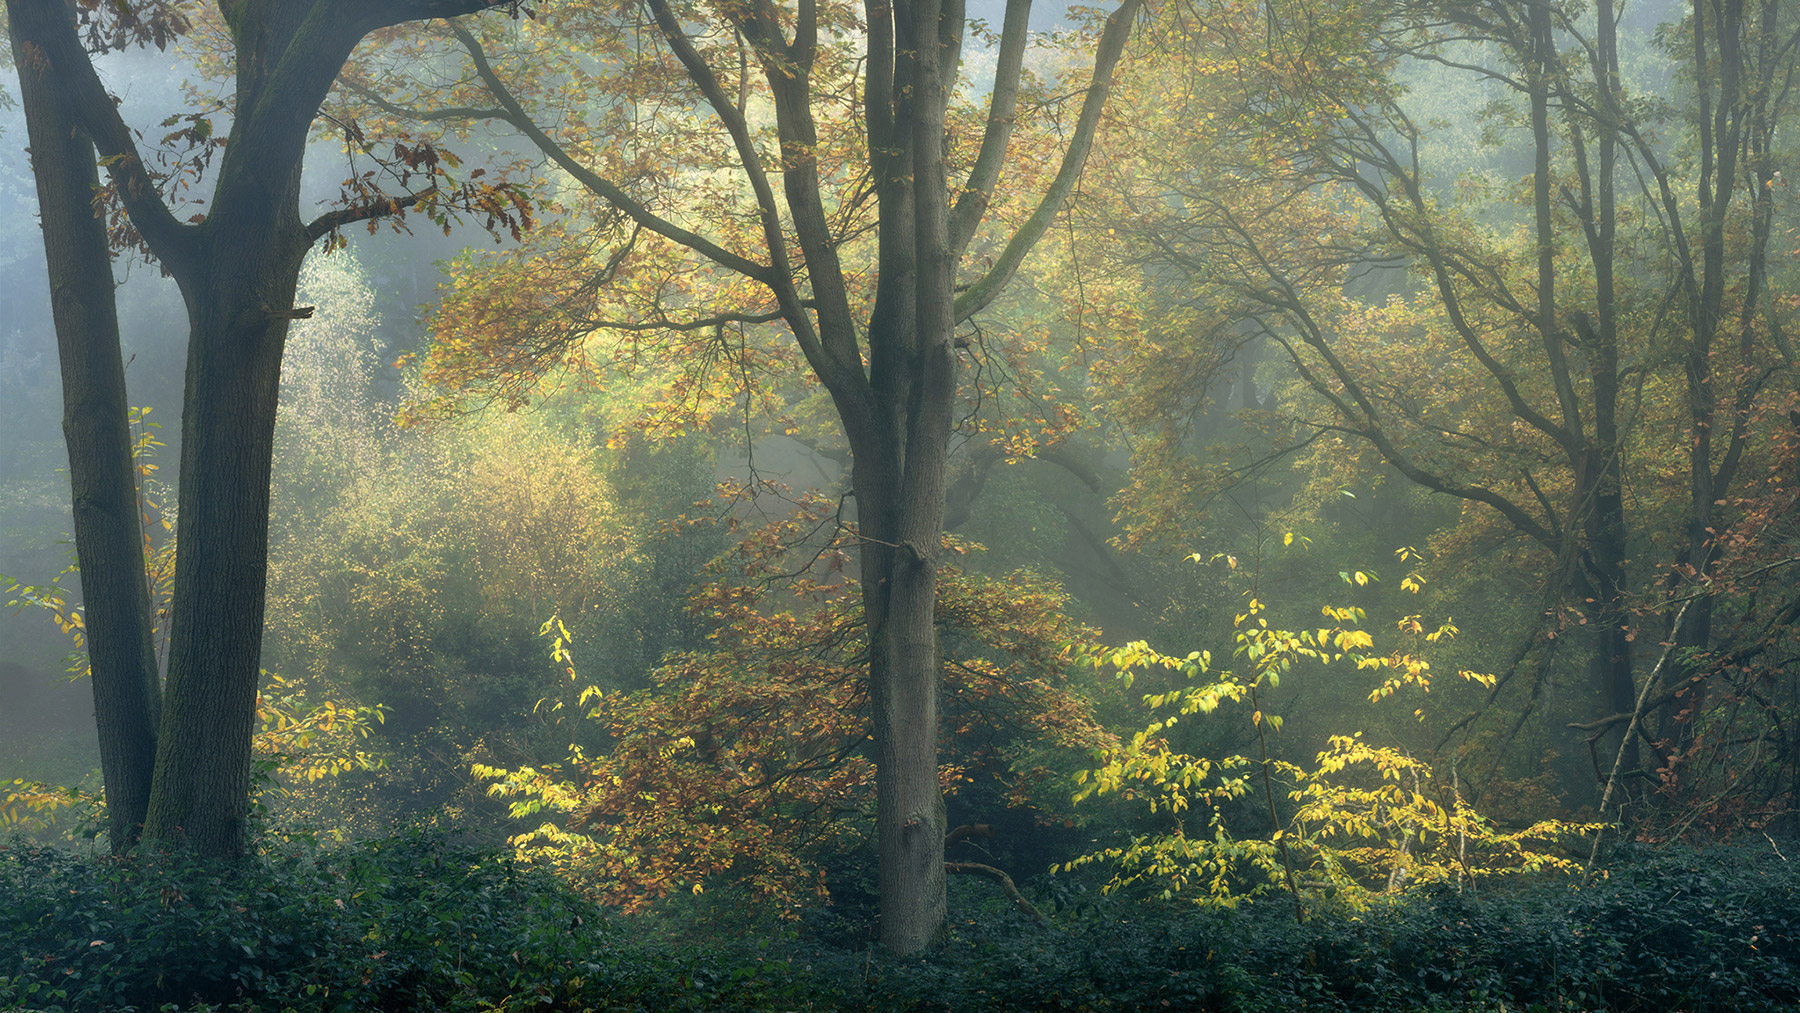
899, 505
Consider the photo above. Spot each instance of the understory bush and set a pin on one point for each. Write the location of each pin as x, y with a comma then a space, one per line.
424, 923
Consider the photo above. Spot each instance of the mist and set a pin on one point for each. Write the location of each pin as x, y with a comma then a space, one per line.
1266, 481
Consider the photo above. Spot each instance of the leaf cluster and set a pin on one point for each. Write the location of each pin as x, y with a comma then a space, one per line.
1363, 819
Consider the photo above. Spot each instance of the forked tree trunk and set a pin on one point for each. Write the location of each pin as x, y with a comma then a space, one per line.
237, 270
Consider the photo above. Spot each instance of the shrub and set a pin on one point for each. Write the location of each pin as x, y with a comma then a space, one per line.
424, 923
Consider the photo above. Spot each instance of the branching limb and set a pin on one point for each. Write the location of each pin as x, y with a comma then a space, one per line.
781, 274
1006, 884
594, 182
331, 221
1003, 107
50, 47
387, 13
444, 115
1112, 45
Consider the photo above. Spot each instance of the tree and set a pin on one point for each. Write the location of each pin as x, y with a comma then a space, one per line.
1507, 345
102, 479
1743, 69
236, 264
885, 351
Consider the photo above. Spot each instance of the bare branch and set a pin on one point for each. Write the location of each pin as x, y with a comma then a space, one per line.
1006, 885
594, 182
1112, 45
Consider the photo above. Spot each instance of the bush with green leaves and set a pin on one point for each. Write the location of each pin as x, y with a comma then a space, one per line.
412, 923
1365, 820
423, 923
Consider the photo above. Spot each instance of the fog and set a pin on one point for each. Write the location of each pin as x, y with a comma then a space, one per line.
46, 713
1337, 458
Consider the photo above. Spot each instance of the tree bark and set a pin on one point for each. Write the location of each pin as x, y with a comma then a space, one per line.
215, 641
109, 545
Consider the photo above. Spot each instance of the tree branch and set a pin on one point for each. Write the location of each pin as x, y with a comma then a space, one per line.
331, 221
387, 13
1106, 58
1006, 884
1003, 107
781, 278
47, 35
604, 188
446, 114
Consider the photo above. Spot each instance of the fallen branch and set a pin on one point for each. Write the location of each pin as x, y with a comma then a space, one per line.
1006, 884
1631, 731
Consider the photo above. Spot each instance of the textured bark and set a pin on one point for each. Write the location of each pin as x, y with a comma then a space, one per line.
215, 640
109, 546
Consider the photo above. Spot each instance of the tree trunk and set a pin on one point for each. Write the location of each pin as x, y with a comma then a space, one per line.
109, 546
903, 694
215, 643
904, 483
1606, 526
1736, 84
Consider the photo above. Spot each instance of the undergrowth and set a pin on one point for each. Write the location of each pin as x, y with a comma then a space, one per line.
424, 923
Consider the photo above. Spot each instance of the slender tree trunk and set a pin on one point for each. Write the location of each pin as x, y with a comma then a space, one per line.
1606, 527
1597, 510
109, 544
1720, 65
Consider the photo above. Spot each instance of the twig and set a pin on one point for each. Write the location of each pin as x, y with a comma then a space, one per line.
1637, 712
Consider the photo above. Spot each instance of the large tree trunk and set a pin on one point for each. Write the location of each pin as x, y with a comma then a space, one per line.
215, 644
109, 546
900, 594
901, 479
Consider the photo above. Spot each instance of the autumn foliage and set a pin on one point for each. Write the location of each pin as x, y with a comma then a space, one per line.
746, 765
